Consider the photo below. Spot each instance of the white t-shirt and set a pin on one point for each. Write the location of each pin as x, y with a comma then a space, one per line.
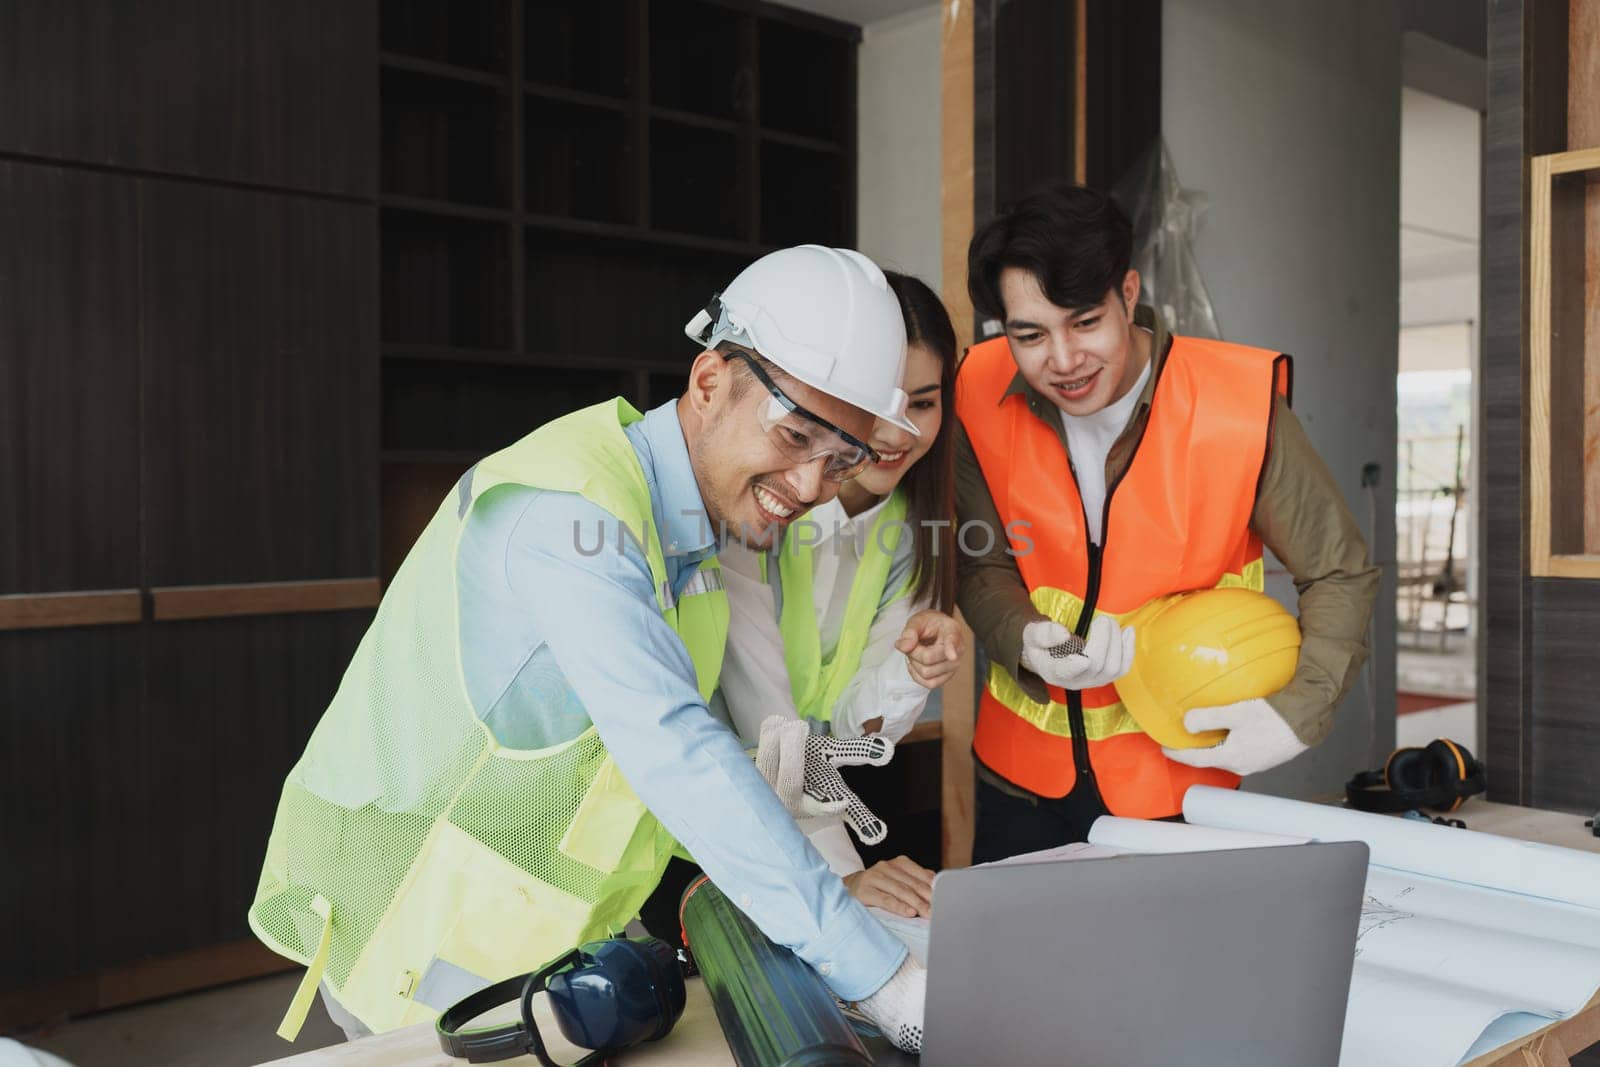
1089, 441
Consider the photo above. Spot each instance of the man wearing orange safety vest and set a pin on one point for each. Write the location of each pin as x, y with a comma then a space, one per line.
1120, 463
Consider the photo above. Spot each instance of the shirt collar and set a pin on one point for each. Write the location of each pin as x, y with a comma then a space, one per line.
1143, 315
674, 493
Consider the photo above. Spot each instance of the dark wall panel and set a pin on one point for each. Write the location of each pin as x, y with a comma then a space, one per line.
260, 386
1502, 520
1123, 109
69, 414
274, 92
129, 833
73, 804
1526, 117
1035, 89
229, 707
1566, 677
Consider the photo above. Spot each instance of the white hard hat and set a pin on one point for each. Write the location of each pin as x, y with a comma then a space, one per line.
826, 316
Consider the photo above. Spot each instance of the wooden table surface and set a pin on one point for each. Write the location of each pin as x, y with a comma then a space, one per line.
697, 1039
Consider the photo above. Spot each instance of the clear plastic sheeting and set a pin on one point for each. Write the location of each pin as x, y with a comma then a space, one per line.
1166, 218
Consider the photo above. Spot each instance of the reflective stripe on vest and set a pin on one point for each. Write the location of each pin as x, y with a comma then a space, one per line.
1178, 519
1101, 720
816, 685
408, 843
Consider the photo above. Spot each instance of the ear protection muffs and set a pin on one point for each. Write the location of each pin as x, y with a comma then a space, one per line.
1441, 776
605, 995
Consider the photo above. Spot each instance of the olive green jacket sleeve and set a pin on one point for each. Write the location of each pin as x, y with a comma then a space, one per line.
989, 587
1300, 515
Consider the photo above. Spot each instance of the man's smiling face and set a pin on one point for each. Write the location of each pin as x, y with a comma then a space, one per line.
1080, 358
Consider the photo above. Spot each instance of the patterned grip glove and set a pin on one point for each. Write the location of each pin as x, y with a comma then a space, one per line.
803, 769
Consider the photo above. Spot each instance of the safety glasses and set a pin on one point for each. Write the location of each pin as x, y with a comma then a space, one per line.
803, 437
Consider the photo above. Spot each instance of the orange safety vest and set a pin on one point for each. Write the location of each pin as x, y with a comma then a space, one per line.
1178, 519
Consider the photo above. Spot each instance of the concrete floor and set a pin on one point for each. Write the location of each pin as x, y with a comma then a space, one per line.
1425, 668
1450, 671
1458, 722
228, 1027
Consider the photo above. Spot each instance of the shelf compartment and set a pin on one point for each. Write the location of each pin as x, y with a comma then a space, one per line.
580, 44
579, 161
463, 33
455, 409
689, 118
699, 61
574, 96
396, 61
445, 208
807, 81
444, 139
659, 287
647, 236
804, 196
446, 281
696, 181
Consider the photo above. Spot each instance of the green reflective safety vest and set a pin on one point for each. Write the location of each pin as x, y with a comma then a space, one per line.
413, 857
815, 684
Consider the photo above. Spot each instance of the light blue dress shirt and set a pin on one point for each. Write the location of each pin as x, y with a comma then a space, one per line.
559, 629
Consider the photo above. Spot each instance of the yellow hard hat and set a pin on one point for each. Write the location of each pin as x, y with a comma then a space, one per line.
1201, 650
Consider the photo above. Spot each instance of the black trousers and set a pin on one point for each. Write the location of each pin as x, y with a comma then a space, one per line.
1010, 825
659, 914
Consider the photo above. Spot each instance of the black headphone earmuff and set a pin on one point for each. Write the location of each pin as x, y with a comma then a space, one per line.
1440, 775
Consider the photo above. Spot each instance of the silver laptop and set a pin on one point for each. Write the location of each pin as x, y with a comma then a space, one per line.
1237, 958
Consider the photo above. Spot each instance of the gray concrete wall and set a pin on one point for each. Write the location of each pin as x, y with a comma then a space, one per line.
899, 143
1287, 116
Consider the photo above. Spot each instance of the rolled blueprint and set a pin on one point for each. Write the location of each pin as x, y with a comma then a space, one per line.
1143, 835
1471, 856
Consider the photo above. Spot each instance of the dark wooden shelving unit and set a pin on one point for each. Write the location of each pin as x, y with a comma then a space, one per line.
563, 183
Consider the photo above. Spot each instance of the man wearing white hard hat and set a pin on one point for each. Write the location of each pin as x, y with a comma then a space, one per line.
522, 739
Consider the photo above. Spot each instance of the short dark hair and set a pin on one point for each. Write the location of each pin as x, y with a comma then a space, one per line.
1075, 240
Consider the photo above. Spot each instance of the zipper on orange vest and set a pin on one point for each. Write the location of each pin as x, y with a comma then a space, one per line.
1091, 595
1080, 739
1080, 742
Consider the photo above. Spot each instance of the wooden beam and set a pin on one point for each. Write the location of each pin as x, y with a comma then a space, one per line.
956, 205
1572, 566
957, 214
172, 603
1080, 93
42, 611
958, 782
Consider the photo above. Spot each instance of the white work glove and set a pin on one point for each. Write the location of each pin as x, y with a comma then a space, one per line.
803, 769
1107, 653
897, 1007
1258, 738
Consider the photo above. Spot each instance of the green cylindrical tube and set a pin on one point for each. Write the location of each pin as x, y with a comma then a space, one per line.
774, 1010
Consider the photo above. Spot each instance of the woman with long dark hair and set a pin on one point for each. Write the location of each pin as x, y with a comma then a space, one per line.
827, 626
